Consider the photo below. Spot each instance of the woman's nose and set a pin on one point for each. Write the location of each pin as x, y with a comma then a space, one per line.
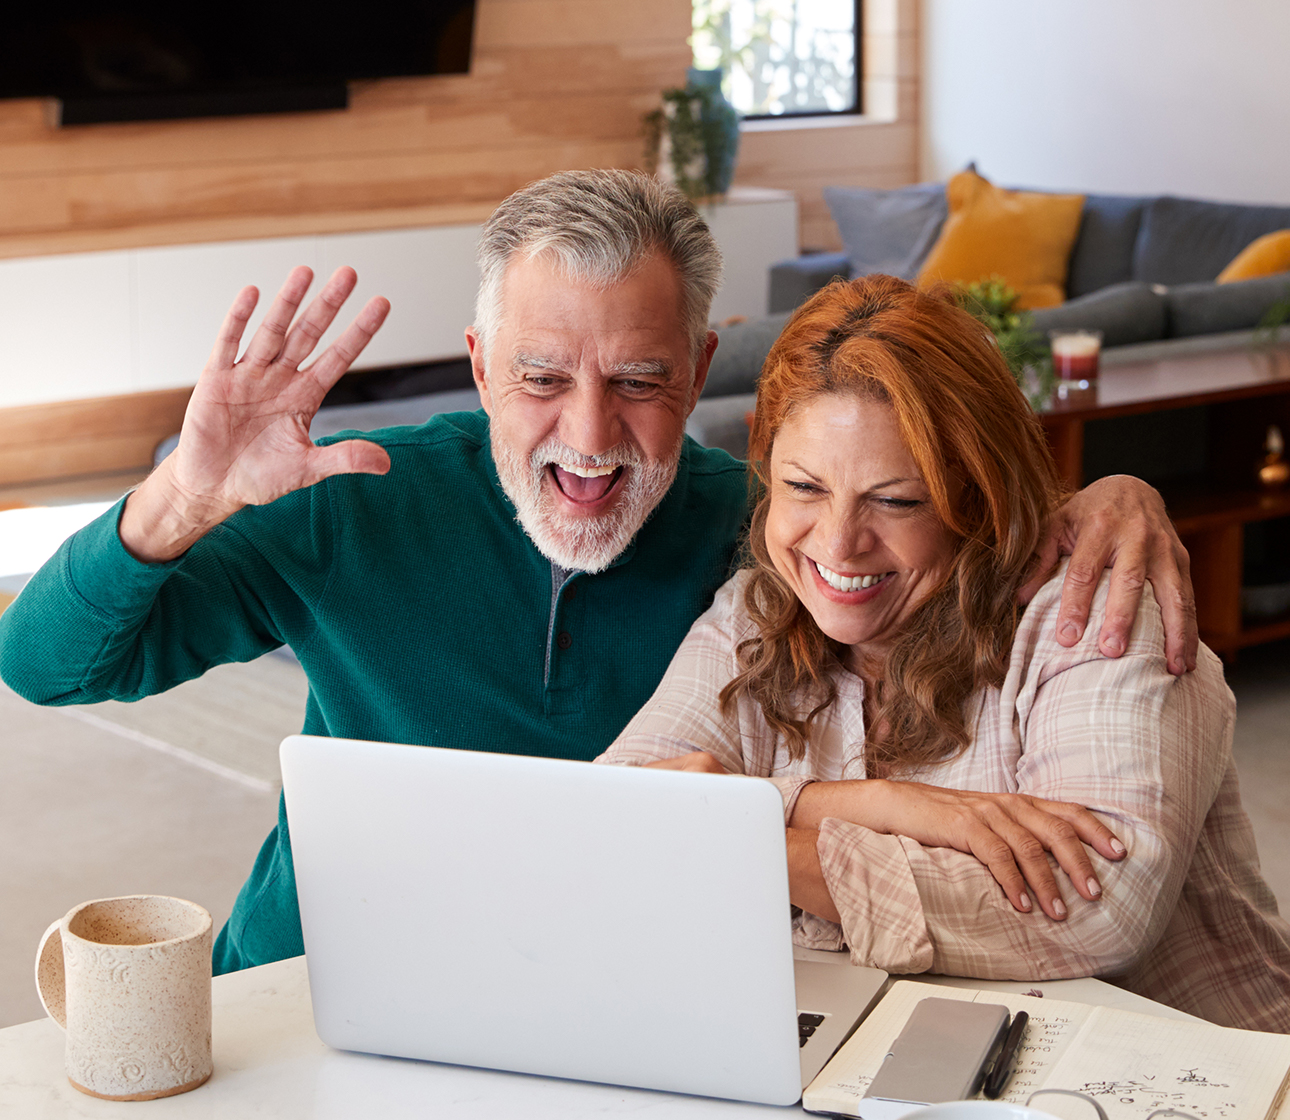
847, 537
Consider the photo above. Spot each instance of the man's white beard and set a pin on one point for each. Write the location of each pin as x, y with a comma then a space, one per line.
587, 544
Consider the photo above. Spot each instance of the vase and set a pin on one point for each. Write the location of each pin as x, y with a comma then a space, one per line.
720, 123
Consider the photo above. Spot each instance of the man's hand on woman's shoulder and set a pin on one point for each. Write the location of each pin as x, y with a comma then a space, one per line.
1120, 523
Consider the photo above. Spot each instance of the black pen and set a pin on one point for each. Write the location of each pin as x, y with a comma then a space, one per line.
1002, 1068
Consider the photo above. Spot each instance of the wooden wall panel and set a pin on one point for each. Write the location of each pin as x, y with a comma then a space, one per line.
70, 438
554, 84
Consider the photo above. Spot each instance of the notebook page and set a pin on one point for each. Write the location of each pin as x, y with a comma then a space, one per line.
843, 1082
1134, 1064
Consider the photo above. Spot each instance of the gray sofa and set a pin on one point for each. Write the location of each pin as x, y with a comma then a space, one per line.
1142, 272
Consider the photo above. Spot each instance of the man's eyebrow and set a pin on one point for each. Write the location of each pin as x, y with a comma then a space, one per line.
525, 360
655, 368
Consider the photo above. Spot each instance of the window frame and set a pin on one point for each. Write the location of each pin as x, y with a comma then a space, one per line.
856, 110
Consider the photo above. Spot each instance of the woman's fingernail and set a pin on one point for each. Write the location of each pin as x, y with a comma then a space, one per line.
1059, 907
1094, 887
1117, 847
1025, 901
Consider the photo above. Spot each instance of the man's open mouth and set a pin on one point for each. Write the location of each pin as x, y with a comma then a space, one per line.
585, 485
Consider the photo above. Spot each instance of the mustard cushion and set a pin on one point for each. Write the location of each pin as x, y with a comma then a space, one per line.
1261, 257
1021, 236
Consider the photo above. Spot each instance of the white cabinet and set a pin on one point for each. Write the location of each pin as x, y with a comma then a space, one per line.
88, 325
65, 327
755, 228
182, 293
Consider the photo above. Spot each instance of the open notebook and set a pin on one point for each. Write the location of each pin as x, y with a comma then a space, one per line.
1131, 1064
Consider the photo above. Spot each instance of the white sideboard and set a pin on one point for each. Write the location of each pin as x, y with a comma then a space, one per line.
87, 325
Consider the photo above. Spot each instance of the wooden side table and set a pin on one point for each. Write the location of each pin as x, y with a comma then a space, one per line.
1245, 390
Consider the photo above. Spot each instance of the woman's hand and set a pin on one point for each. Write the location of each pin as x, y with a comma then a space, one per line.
699, 761
1008, 832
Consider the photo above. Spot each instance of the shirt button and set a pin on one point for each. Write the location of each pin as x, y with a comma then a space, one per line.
564, 639
571, 591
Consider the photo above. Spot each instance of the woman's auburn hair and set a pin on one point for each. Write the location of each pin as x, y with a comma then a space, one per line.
982, 455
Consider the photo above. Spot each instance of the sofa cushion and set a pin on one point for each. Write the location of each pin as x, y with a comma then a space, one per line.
888, 231
740, 353
1184, 241
1103, 253
1261, 257
1025, 237
1211, 308
1124, 313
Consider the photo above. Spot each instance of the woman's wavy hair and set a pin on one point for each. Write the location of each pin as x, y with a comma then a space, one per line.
982, 455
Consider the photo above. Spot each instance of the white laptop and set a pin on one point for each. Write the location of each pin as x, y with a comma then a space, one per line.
601, 923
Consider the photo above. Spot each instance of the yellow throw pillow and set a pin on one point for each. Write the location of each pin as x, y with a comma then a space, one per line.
1022, 236
1261, 257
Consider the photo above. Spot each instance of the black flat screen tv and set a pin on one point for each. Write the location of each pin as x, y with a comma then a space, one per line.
117, 60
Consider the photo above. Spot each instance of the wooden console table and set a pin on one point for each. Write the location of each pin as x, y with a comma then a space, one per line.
1245, 390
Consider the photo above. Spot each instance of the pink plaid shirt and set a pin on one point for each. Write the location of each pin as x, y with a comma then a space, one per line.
1184, 918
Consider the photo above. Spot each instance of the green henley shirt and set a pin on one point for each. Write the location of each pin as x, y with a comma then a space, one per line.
420, 610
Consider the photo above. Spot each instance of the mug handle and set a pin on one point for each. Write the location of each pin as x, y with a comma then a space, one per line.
51, 980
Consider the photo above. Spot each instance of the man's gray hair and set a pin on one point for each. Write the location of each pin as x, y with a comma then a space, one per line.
598, 226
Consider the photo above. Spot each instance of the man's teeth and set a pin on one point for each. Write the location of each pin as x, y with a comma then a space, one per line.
848, 583
586, 472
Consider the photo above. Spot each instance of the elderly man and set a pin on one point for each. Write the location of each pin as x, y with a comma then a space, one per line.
394, 566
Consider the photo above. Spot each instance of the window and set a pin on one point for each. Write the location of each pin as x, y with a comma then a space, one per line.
782, 57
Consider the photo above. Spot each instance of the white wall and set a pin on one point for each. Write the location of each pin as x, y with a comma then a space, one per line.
1186, 97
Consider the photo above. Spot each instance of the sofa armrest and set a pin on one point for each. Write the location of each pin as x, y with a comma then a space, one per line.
722, 422
792, 281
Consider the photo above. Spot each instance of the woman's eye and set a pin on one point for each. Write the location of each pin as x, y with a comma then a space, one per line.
801, 487
900, 503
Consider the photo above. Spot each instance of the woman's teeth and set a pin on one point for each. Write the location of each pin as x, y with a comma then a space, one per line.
587, 472
847, 583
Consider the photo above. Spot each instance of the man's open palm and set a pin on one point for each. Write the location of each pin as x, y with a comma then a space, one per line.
245, 438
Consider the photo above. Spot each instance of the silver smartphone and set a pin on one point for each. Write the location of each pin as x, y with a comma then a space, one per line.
943, 1053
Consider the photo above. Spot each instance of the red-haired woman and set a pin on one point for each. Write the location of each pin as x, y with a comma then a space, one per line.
873, 661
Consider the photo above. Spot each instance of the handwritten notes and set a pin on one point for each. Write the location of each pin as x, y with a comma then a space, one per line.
1131, 1064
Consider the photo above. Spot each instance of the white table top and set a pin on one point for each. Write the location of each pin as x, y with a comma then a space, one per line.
270, 1063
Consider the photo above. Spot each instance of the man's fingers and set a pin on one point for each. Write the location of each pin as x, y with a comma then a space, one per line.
318, 316
266, 343
1044, 563
1178, 612
351, 456
224, 352
1092, 550
1128, 580
342, 353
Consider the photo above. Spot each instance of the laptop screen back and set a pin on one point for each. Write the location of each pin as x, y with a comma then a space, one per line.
601, 923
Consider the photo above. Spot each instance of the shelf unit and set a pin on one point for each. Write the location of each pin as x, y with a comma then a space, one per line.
1244, 389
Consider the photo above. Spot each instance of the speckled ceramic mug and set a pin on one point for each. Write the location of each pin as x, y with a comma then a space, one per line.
129, 979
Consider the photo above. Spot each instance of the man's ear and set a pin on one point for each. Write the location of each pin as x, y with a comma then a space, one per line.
701, 369
476, 348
